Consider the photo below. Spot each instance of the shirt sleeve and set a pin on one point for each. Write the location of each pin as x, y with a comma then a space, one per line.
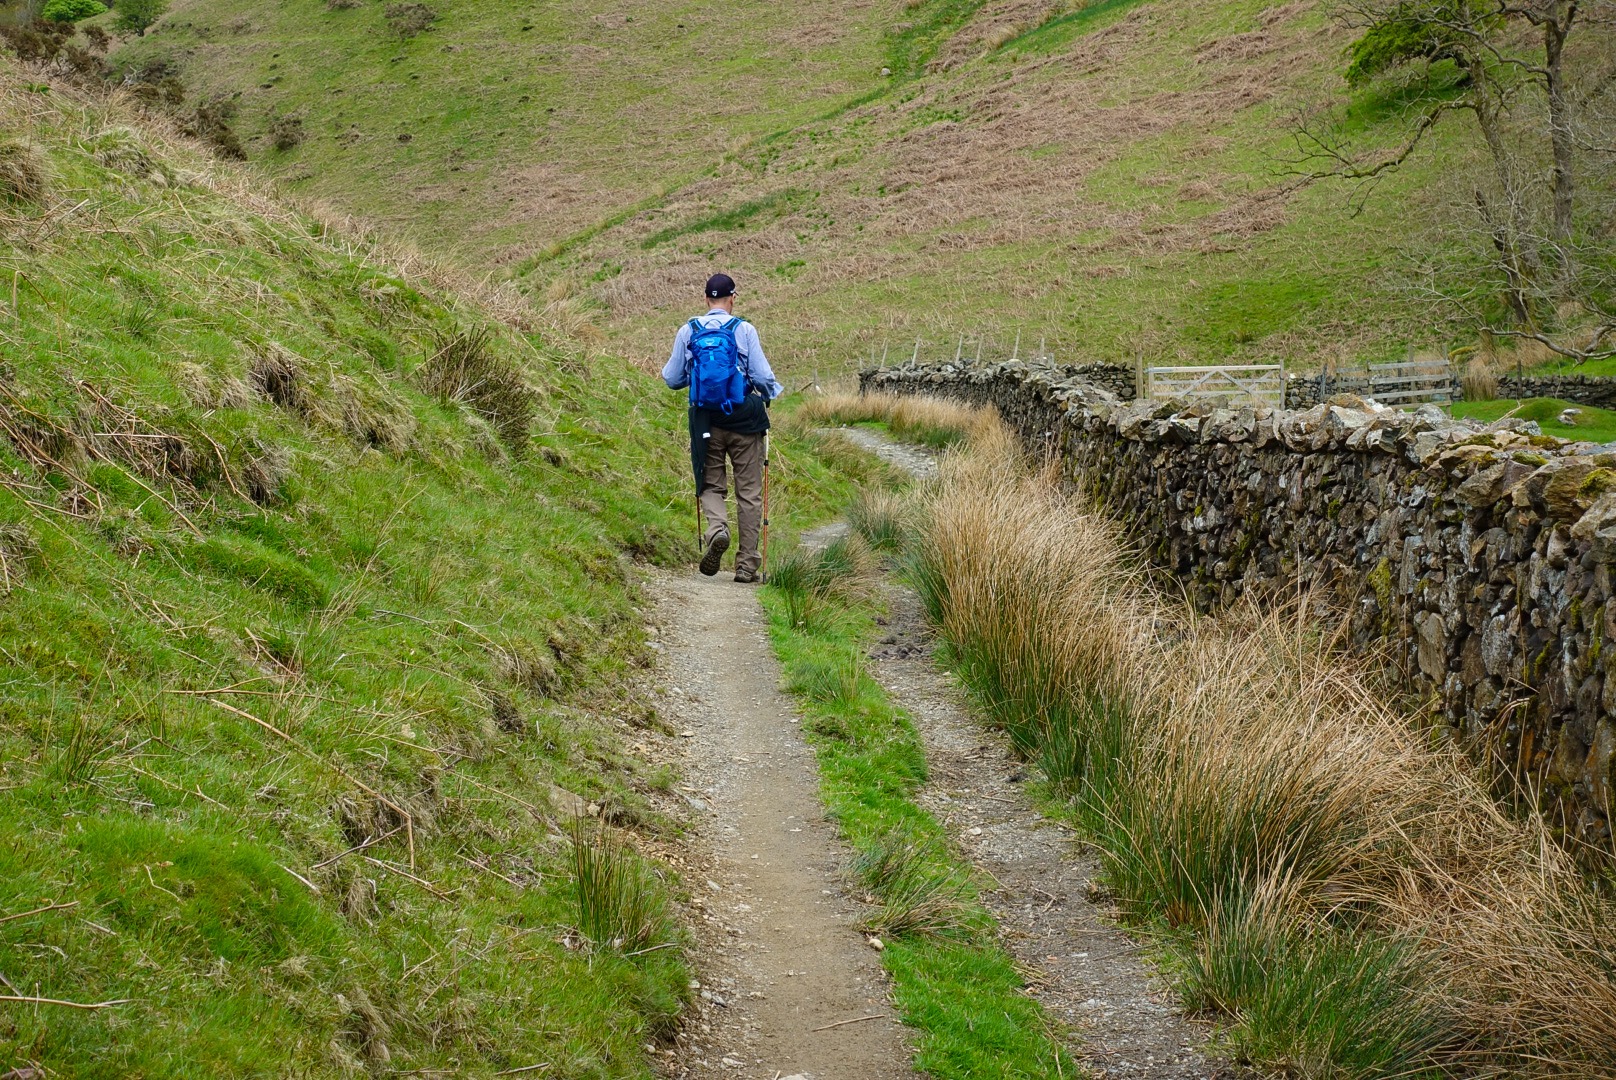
757, 365
676, 372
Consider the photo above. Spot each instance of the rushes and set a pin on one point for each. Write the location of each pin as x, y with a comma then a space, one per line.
807, 578
619, 900
932, 422
916, 894
881, 519
1351, 896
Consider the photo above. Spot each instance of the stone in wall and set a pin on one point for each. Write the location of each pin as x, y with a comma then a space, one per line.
1484, 556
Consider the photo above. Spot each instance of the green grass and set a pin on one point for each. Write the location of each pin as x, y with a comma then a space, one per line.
267, 600
1594, 424
1053, 33
771, 206
953, 983
926, 27
519, 160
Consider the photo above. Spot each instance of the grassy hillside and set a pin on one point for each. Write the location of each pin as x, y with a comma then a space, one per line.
504, 128
1110, 179
317, 625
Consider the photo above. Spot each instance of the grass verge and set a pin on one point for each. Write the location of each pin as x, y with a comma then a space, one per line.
954, 984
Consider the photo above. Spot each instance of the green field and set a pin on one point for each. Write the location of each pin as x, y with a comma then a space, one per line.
1593, 424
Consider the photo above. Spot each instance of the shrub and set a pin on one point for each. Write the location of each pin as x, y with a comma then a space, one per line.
137, 16
71, 11
408, 20
213, 122
37, 41
156, 84
22, 174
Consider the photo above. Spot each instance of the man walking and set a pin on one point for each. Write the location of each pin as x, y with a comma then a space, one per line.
721, 359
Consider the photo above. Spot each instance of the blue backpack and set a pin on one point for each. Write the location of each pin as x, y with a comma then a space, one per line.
717, 380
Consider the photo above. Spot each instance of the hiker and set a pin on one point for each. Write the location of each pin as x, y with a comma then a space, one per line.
721, 359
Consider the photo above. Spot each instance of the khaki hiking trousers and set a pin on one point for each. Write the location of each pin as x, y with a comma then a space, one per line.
745, 456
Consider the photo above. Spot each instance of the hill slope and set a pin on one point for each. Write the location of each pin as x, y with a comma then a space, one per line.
1111, 179
507, 127
312, 636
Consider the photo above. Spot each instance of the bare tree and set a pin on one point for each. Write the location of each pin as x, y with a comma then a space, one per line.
1536, 77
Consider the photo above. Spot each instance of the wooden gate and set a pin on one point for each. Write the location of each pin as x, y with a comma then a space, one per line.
1412, 382
1260, 384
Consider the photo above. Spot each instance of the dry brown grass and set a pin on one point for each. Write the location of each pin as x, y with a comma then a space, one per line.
1220, 760
932, 421
1479, 382
23, 174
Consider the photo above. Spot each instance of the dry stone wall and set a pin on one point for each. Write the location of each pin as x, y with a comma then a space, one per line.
1484, 556
1596, 390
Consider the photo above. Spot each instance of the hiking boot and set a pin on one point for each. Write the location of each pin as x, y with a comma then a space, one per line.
743, 578
715, 552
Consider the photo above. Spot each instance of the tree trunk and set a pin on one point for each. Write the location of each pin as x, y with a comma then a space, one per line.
1556, 28
1518, 255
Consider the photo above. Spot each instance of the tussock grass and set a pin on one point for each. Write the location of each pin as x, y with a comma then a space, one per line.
807, 579
882, 519
621, 903
916, 893
933, 422
1479, 381
23, 174
464, 369
1349, 894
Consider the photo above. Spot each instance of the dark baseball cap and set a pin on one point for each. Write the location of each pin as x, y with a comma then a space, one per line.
720, 286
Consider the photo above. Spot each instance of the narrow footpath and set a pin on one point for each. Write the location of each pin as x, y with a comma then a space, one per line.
788, 987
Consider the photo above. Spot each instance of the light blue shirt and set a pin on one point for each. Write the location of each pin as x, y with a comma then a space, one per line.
676, 372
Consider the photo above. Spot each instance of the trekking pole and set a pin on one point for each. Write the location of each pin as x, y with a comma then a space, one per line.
763, 547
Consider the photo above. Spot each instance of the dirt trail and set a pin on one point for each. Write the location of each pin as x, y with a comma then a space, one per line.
779, 955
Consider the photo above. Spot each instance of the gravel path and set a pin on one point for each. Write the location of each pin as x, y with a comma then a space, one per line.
779, 958
1087, 973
